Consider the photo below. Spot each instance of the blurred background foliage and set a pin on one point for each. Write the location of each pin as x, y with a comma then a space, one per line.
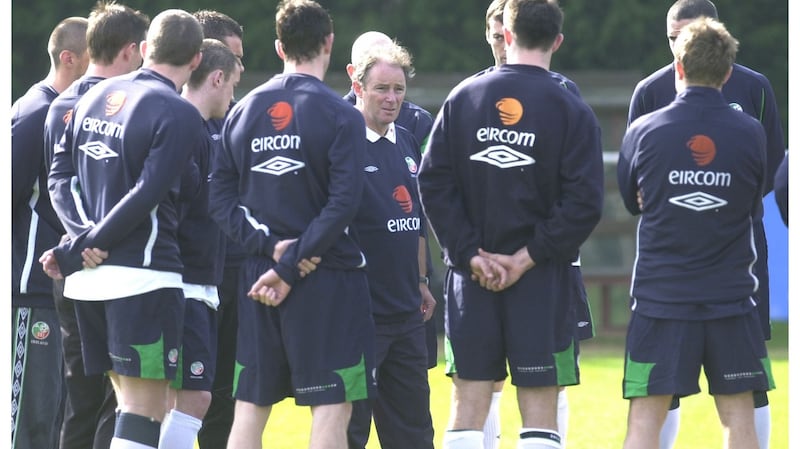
447, 36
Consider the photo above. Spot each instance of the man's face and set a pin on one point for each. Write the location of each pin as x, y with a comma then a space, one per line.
225, 94
495, 39
674, 28
235, 44
383, 93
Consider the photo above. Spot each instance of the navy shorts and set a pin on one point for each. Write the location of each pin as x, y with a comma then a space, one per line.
137, 336
530, 325
583, 325
664, 357
317, 346
198, 358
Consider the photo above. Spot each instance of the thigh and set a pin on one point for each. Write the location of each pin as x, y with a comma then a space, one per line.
37, 392
663, 357
539, 319
402, 410
145, 332
474, 333
736, 356
197, 362
328, 334
261, 373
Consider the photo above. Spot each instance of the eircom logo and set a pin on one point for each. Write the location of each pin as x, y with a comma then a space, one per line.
281, 115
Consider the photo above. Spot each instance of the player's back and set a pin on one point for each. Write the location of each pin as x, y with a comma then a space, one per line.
515, 142
700, 168
297, 149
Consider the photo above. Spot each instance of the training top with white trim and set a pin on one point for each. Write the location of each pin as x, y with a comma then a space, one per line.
700, 166
114, 179
508, 167
291, 167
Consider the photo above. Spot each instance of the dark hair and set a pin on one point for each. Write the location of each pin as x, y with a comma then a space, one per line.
174, 38
535, 23
70, 35
691, 9
217, 25
302, 27
216, 56
111, 27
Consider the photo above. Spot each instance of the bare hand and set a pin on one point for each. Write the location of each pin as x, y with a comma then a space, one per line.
50, 265
488, 273
281, 248
92, 257
515, 265
428, 302
269, 289
305, 266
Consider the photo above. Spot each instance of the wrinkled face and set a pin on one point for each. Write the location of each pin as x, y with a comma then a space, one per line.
383, 93
674, 29
224, 94
235, 44
495, 39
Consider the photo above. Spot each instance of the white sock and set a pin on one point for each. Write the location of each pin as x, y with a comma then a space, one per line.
491, 428
119, 443
179, 431
763, 423
463, 439
530, 438
562, 416
669, 431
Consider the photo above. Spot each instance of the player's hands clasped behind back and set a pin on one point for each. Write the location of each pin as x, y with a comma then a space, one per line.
497, 272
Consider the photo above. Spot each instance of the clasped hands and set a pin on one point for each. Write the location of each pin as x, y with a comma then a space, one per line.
496, 272
270, 289
92, 257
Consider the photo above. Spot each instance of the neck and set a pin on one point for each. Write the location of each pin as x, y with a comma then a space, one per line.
177, 74
60, 79
315, 67
526, 56
197, 98
106, 71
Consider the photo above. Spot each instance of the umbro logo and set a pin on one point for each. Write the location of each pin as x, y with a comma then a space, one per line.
97, 150
278, 166
503, 157
370, 169
698, 201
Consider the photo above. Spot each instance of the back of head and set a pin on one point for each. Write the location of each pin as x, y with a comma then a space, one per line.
494, 12
535, 23
112, 27
392, 54
174, 38
691, 9
706, 50
69, 34
302, 27
364, 43
217, 25
216, 56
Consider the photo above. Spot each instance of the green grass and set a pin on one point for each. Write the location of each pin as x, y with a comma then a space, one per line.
597, 411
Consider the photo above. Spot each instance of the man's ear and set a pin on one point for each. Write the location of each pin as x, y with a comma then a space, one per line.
279, 50
350, 68
357, 89
217, 78
557, 43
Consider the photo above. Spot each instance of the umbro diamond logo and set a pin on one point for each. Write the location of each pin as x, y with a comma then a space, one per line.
97, 150
698, 201
503, 157
278, 165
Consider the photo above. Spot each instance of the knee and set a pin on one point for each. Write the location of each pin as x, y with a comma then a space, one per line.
193, 403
